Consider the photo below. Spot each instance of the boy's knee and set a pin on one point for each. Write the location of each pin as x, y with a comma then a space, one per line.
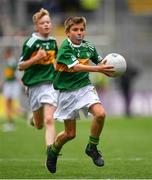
37, 123
70, 136
48, 121
100, 116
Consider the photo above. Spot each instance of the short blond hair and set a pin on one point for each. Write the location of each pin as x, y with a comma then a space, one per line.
38, 15
69, 22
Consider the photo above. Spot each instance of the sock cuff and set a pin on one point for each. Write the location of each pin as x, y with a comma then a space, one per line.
93, 140
55, 149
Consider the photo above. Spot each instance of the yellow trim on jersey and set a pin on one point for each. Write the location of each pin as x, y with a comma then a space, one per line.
84, 61
9, 72
49, 59
63, 67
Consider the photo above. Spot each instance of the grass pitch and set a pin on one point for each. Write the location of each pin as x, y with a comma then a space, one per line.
126, 145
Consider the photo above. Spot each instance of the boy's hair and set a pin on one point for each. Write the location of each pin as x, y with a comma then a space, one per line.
69, 22
38, 15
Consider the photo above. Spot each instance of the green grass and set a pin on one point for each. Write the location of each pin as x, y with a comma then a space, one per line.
126, 145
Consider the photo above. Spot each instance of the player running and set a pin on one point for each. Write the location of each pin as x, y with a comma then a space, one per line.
37, 61
76, 91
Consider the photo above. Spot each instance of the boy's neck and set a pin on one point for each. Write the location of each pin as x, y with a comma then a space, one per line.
41, 36
74, 45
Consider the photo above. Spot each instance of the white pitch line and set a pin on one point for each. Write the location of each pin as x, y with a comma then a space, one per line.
69, 159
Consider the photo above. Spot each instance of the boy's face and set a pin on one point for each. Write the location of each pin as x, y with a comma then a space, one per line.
76, 33
43, 26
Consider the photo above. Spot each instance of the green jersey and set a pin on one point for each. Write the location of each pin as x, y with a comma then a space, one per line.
43, 70
10, 69
69, 55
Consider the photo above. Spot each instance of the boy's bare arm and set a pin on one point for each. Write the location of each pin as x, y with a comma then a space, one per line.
40, 55
102, 68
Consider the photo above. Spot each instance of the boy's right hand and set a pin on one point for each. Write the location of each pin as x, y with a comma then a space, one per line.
106, 69
41, 53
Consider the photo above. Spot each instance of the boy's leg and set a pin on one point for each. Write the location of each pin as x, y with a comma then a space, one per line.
44, 115
97, 125
66, 135
38, 118
9, 110
49, 122
98, 113
63, 137
9, 125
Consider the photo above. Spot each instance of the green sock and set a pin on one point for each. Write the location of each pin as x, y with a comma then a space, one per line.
55, 149
93, 141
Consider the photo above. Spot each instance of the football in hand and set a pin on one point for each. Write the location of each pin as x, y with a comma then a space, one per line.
118, 62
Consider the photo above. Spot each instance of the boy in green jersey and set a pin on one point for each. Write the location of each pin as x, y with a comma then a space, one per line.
11, 88
76, 91
37, 62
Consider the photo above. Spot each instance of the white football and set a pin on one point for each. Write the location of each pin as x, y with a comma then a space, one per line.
118, 62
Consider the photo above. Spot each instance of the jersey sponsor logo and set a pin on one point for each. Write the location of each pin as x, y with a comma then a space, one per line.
45, 45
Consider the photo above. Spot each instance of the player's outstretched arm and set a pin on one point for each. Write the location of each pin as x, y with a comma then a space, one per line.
102, 68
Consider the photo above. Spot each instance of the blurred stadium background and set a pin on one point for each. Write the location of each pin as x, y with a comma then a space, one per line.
122, 26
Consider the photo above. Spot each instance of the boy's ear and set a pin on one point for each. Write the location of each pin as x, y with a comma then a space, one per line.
66, 31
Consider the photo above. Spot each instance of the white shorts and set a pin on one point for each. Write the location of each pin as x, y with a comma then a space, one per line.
11, 89
42, 94
70, 102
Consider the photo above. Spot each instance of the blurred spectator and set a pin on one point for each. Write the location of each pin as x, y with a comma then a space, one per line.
125, 83
11, 87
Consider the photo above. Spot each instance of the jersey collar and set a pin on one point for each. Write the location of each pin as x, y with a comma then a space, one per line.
40, 37
74, 45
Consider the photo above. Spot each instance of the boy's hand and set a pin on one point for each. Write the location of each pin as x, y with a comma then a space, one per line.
106, 69
40, 54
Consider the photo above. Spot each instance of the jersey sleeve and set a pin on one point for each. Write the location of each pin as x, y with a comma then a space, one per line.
65, 56
26, 53
95, 58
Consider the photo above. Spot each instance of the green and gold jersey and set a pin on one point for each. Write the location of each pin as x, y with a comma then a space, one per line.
10, 69
69, 55
43, 70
